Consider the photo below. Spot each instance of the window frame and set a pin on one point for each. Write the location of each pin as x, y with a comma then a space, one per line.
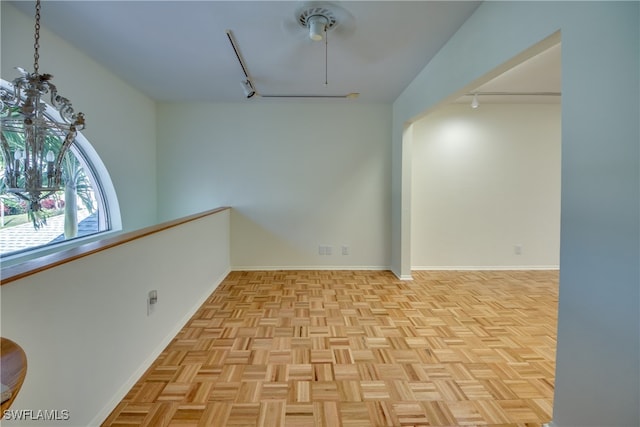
104, 192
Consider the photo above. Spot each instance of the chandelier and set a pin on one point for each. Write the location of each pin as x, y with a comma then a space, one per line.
35, 137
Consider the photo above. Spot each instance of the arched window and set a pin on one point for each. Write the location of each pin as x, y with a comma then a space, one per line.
85, 206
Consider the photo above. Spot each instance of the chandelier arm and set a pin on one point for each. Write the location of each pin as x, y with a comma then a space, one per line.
62, 104
8, 98
17, 90
71, 136
28, 148
8, 161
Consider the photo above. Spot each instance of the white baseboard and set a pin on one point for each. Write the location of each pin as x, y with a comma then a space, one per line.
311, 267
121, 393
400, 277
485, 267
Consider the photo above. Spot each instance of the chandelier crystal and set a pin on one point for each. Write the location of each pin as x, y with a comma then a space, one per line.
35, 137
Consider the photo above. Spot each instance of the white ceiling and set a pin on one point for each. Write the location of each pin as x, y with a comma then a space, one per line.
179, 50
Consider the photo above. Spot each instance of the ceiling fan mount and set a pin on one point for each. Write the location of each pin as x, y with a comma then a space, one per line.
317, 19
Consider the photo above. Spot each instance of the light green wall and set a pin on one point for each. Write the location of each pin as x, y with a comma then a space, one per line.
298, 175
597, 380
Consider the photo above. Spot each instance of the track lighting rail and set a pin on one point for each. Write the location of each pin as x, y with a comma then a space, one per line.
249, 87
514, 93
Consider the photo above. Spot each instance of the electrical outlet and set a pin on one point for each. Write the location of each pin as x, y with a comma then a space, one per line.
517, 249
345, 250
324, 250
152, 300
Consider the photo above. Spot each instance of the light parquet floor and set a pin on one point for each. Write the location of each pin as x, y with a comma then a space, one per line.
358, 348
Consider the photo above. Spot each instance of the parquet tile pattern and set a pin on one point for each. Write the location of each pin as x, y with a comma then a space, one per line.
358, 348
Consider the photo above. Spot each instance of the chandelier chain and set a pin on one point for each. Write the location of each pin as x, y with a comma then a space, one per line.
36, 44
33, 162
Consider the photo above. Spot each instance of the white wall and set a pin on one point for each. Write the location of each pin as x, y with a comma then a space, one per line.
483, 181
84, 325
297, 175
597, 363
120, 119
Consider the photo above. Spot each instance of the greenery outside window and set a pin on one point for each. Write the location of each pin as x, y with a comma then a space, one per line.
78, 210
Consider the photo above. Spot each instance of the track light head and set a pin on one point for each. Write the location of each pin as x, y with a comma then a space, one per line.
248, 89
475, 103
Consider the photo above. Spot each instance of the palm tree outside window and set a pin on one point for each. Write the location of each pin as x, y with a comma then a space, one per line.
79, 209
